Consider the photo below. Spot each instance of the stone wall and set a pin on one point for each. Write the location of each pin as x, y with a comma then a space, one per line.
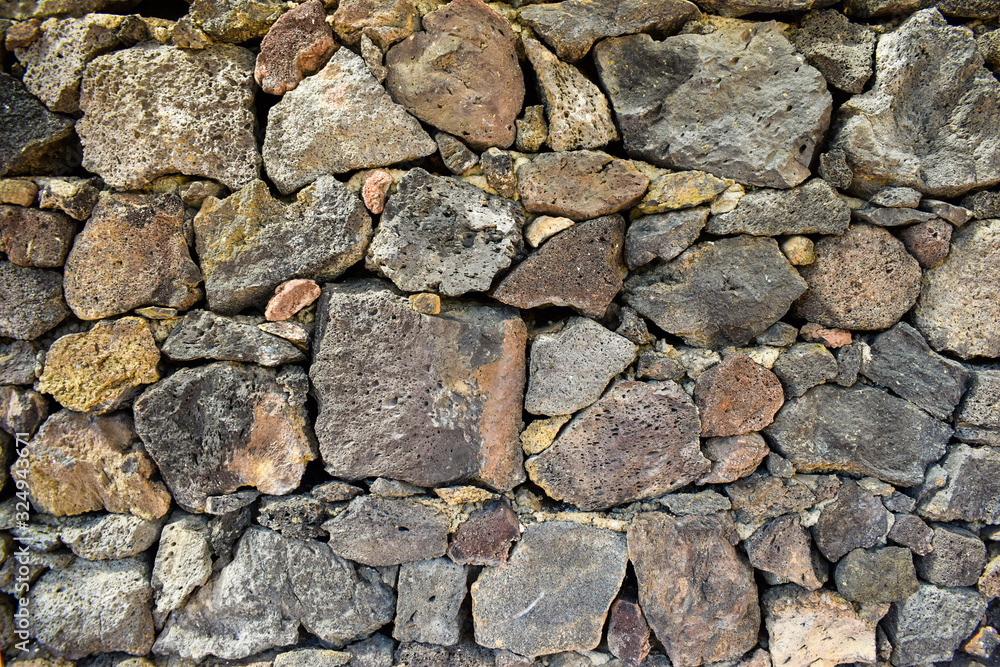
428, 334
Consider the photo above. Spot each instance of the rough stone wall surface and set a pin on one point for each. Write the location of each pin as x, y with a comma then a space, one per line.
527, 333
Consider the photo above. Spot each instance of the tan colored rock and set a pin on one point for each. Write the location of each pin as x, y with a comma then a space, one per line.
580, 185
427, 303
298, 44
783, 548
799, 250
683, 189
84, 463
384, 22
543, 227
833, 338
540, 433
989, 582
287, 330
17, 191
737, 396
102, 369
376, 189
290, 297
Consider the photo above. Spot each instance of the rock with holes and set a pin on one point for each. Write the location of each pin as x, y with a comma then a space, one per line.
930, 624
876, 575
811, 208
718, 293
929, 241
571, 368
841, 50
803, 366
202, 334
759, 124
762, 496
485, 537
31, 301
388, 531
441, 235
34, 140
183, 561
384, 22
971, 491
733, 457
957, 558
784, 549
639, 440
854, 520
912, 532
690, 563
445, 404
429, 596
227, 21
662, 236
298, 44
554, 593
818, 628
109, 536
737, 396
31, 237
978, 417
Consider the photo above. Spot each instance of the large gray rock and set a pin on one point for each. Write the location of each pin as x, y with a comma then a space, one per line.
445, 403
388, 531
978, 417
571, 368
272, 586
639, 440
204, 335
876, 575
957, 558
971, 491
335, 121
442, 235
904, 131
663, 236
31, 301
811, 208
803, 366
930, 624
430, 596
952, 311
859, 430
854, 520
213, 429
718, 293
842, 51
154, 109
759, 123
238, 237
554, 593
32, 138
20, 363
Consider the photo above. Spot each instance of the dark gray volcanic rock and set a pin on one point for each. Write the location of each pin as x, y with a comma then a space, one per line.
842, 51
811, 208
784, 548
204, 335
957, 558
978, 417
662, 236
972, 489
930, 624
741, 7
31, 301
854, 520
32, 138
35, 238
876, 575
388, 531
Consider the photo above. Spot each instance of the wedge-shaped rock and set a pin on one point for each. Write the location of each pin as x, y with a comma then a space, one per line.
155, 109
485, 537
249, 243
335, 121
929, 625
34, 140
420, 398
859, 430
442, 235
690, 564
978, 418
929, 81
388, 531
815, 628
958, 310
183, 561
733, 457
854, 520
663, 236
972, 489
718, 293
213, 429
784, 549
640, 440
272, 586
811, 208
131, 253
384, 22
759, 123
204, 335
31, 301
741, 7
554, 593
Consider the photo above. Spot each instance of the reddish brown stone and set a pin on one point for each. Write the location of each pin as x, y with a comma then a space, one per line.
485, 537
911, 531
290, 297
579, 184
928, 241
760, 497
460, 74
384, 22
628, 633
733, 457
737, 396
299, 43
783, 548
31, 237
833, 338
376, 189
581, 267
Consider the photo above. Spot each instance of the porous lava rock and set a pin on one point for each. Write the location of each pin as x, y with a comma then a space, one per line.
736, 396
35, 238
579, 184
32, 301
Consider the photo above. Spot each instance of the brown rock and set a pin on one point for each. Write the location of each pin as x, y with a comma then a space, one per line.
35, 238
131, 253
690, 564
376, 189
911, 531
298, 44
854, 520
84, 463
783, 548
832, 338
816, 628
382, 21
864, 279
928, 241
22, 411
17, 191
989, 582
800, 250
76, 197
610, 453
579, 184
290, 297
485, 537
582, 267
737, 396
101, 370
733, 457
628, 633
388, 531
760, 497
427, 303
460, 74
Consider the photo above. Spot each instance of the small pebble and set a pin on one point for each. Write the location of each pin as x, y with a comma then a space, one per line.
376, 189
799, 250
290, 297
426, 303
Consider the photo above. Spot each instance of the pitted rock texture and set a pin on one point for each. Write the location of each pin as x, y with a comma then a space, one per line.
815, 628
970, 492
485, 537
926, 626
205, 335
842, 51
445, 403
978, 417
814, 207
32, 135
199, 102
663, 236
35, 238
784, 548
32, 302
298, 44
759, 125
854, 520
384, 22
736, 396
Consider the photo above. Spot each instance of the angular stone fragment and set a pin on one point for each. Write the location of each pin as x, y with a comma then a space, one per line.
76, 197
544, 227
335, 121
799, 250
311, 657
736, 396
930, 624
876, 575
273, 585
202, 334
891, 217
231, 502
832, 338
972, 489
928, 75
456, 156
578, 112
733, 457
554, 593
327, 226
296, 515
109, 536
183, 561
628, 633
803, 366
783, 548
446, 402
910, 531
571, 368
22, 411
864, 279
227, 21
639, 440
532, 130
215, 428
952, 312
485, 537
854, 520
581, 268
956, 215
759, 124
31, 301
718, 293
298, 44
761, 496
466, 654
445, 236
290, 297
842, 51
17, 191
498, 170
476, 91
957, 558
989, 582
93, 607
376, 189
897, 196
102, 369
383, 21
811, 208
572, 26
388, 531
984, 204
663, 236
579, 184
690, 564
978, 417
429, 595
817, 628
859, 430
35, 238
152, 110
32, 138
131, 253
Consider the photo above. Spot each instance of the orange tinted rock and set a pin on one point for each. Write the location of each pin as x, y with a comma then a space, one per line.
737, 396
299, 43
733, 457
290, 297
817, 333
376, 189
382, 21
485, 537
